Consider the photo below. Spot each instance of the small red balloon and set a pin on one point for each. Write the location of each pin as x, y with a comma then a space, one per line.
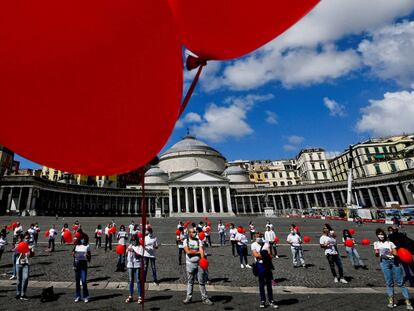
306, 239
227, 225
351, 231
120, 249
349, 243
141, 242
208, 229
297, 229
203, 263
75, 227
277, 240
47, 234
201, 236
240, 229
22, 248
365, 242
404, 255
14, 225
177, 232
77, 235
67, 236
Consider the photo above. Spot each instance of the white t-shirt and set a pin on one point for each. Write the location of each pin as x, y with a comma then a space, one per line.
207, 230
385, 249
257, 247
232, 233
241, 239
52, 233
192, 245
269, 236
98, 232
22, 259
3, 242
269, 225
81, 252
331, 242
107, 230
18, 230
122, 237
180, 239
131, 227
252, 228
133, 256
150, 244
294, 240
221, 228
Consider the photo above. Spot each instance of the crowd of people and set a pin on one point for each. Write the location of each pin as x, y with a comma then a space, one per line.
136, 249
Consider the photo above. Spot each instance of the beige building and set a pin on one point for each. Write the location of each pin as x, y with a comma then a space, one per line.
375, 157
313, 166
6, 160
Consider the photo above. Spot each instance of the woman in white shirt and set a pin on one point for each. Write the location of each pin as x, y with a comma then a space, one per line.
22, 271
122, 237
270, 237
242, 247
232, 233
328, 243
391, 268
98, 236
151, 244
81, 256
295, 242
134, 255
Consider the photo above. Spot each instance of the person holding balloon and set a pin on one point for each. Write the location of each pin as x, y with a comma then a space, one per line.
390, 265
36, 235
351, 251
242, 241
194, 251
108, 237
98, 237
295, 242
134, 255
232, 234
81, 256
270, 237
3, 241
221, 228
122, 237
151, 244
22, 267
62, 232
52, 236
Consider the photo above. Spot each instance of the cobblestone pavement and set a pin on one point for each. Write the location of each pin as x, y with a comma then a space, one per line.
224, 270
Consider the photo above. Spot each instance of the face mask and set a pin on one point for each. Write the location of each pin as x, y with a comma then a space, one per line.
293, 232
380, 237
259, 240
82, 241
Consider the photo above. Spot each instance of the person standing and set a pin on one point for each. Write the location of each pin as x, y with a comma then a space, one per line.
328, 243
134, 255
98, 237
263, 266
391, 268
207, 233
3, 241
232, 234
268, 224
194, 251
221, 228
252, 230
131, 229
31, 232
242, 247
81, 256
22, 270
62, 232
52, 236
352, 253
151, 244
180, 243
270, 237
108, 237
122, 237
15, 254
295, 242
18, 230
36, 234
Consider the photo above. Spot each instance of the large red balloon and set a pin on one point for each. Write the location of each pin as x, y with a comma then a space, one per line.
349, 243
203, 263
90, 87
67, 236
225, 29
120, 249
404, 255
22, 248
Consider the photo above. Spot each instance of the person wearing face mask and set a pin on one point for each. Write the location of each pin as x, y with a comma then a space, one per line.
328, 243
232, 233
151, 244
270, 237
295, 242
22, 270
391, 268
134, 255
81, 256
122, 237
263, 266
194, 251
352, 253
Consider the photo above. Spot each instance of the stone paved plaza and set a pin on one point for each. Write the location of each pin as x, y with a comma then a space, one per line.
232, 288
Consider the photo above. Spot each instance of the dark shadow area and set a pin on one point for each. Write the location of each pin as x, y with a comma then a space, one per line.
282, 256
7, 266
309, 265
158, 298
44, 263
216, 280
104, 297
94, 267
343, 257
166, 280
348, 278
222, 298
228, 308
36, 275
7, 290
287, 302
54, 298
104, 278
155, 308
280, 280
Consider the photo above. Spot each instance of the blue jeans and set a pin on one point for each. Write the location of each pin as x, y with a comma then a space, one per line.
242, 251
265, 279
393, 272
222, 238
14, 258
335, 260
354, 256
22, 279
121, 262
81, 272
153, 267
133, 276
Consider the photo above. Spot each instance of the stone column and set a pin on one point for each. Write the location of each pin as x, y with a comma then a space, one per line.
170, 200
203, 195
258, 204
29, 199
274, 203
333, 199
1, 193
381, 196
251, 204
316, 199
220, 200
228, 197
9, 200
162, 206
371, 198
400, 194
291, 202
390, 193
20, 199
195, 199
309, 205
187, 205
325, 201
361, 197
299, 201
212, 200
178, 199
283, 204
129, 206
244, 204
342, 197
149, 207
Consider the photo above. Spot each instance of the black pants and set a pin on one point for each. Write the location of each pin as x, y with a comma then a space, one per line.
52, 245
335, 260
208, 240
98, 242
252, 235
234, 247
108, 242
180, 255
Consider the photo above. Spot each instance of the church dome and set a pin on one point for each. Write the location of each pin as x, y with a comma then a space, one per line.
155, 175
236, 174
189, 154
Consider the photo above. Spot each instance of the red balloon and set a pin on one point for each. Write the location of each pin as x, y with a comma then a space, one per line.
108, 73
47, 233
297, 229
77, 235
140, 235
306, 239
276, 240
225, 29
113, 230
349, 243
67, 236
203, 263
201, 236
365, 242
22, 248
120, 249
141, 242
75, 227
208, 229
14, 225
227, 225
351, 231
177, 232
404, 255
240, 229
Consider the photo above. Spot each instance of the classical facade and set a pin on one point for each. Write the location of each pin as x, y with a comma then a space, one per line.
191, 179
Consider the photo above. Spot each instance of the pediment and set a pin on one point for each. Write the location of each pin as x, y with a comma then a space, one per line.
199, 176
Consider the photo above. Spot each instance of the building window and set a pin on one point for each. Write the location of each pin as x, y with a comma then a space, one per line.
313, 166
315, 175
280, 174
393, 166
377, 150
377, 169
289, 183
275, 184
325, 176
367, 151
251, 176
409, 163
282, 183
322, 166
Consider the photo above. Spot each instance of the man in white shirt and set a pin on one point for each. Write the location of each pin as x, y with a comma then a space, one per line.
270, 237
268, 224
151, 244
221, 228
295, 242
232, 236
18, 230
52, 236
131, 229
328, 243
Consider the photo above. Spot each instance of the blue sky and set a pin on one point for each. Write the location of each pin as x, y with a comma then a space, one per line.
341, 75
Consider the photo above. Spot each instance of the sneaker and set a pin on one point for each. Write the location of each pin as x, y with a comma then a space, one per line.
129, 299
208, 302
273, 305
342, 280
262, 305
139, 300
156, 283
17, 297
336, 280
24, 297
408, 304
77, 299
248, 266
390, 302
241, 266
187, 300
276, 256
86, 300
12, 277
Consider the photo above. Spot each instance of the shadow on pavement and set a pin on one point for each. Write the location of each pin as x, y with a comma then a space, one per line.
166, 280
158, 298
216, 280
104, 297
104, 278
222, 298
287, 302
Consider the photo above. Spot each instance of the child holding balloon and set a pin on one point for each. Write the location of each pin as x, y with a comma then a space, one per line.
391, 268
351, 251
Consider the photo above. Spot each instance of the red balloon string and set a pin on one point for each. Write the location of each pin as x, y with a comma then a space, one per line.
143, 226
192, 63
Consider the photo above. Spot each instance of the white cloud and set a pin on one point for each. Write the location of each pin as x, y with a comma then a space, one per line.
290, 147
391, 115
190, 117
335, 109
222, 122
295, 140
271, 117
332, 154
390, 52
